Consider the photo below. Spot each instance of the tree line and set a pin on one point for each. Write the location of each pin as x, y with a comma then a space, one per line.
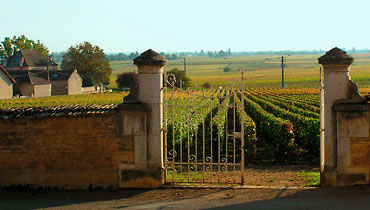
90, 61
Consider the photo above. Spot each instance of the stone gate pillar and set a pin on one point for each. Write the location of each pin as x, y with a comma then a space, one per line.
150, 67
336, 64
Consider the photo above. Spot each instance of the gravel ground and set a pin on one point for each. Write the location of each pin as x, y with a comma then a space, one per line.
333, 198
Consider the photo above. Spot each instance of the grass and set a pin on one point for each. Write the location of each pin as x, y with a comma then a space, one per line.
312, 178
302, 71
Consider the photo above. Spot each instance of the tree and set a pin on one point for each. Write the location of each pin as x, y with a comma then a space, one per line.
126, 79
10, 46
227, 69
90, 61
180, 76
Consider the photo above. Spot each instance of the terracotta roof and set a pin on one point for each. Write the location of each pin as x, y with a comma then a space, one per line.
31, 58
57, 111
7, 74
150, 58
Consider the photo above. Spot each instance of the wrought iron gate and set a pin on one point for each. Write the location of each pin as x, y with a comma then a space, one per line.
203, 134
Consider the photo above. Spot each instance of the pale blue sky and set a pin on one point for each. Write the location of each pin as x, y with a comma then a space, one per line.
189, 25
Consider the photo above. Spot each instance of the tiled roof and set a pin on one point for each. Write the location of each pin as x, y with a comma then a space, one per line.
57, 111
61, 75
31, 58
35, 77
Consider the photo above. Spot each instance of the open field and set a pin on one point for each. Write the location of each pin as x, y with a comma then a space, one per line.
302, 71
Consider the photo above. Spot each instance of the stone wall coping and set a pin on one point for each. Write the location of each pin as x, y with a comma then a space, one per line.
336, 56
150, 58
67, 111
352, 107
133, 107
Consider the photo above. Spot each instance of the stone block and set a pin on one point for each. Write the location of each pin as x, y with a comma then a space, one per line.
155, 119
343, 153
155, 151
141, 151
330, 151
348, 179
150, 88
353, 124
147, 179
134, 123
360, 152
328, 179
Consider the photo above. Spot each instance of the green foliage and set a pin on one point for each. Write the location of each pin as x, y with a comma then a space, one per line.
107, 98
127, 79
312, 178
10, 46
286, 105
90, 61
306, 129
277, 131
227, 69
180, 78
250, 130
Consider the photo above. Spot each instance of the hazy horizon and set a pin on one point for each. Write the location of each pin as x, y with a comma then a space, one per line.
173, 26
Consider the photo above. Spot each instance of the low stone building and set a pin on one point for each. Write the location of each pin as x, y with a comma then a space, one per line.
6, 84
29, 60
31, 83
65, 82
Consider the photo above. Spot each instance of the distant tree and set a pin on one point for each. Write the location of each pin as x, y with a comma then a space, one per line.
126, 79
229, 52
207, 85
90, 61
227, 69
133, 55
210, 54
180, 77
10, 46
117, 57
170, 56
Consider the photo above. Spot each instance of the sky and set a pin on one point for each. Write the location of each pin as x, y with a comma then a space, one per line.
189, 25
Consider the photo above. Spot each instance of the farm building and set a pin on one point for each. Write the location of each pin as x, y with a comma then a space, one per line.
6, 84
65, 82
31, 83
39, 83
29, 60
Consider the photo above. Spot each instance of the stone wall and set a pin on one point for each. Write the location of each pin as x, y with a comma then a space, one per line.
76, 152
353, 144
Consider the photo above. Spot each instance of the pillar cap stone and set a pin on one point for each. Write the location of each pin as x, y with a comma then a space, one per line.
336, 56
150, 58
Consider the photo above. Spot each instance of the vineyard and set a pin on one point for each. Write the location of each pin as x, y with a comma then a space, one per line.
99, 99
287, 119
202, 127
